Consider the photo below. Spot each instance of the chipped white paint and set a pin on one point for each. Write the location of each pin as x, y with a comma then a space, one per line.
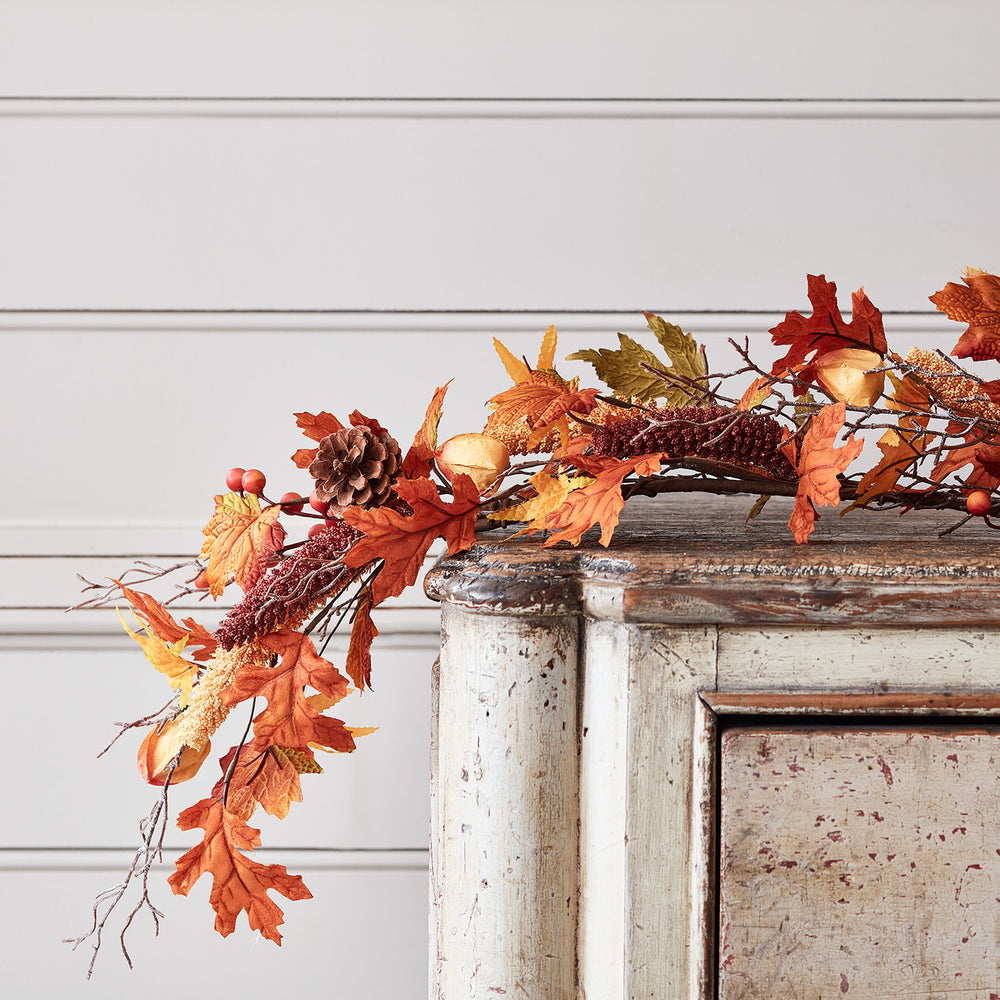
504, 874
858, 659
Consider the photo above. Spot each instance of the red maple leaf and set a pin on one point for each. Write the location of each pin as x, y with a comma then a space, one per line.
600, 502
818, 464
402, 540
289, 720
826, 330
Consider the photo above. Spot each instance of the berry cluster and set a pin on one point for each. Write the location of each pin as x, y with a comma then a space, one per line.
288, 592
722, 433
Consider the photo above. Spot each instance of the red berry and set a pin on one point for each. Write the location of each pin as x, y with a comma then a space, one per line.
320, 505
234, 479
978, 503
316, 529
254, 481
289, 504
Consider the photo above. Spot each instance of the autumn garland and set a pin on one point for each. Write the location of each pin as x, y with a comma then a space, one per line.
660, 425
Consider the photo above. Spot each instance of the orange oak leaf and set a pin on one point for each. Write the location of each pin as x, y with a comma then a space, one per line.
239, 540
402, 540
239, 884
289, 720
418, 458
826, 330
978, 304
601, 501
818, 465
159, 621
267, 777
363, 633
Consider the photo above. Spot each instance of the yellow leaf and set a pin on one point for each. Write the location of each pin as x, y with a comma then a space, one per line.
547, 353
551, 492
166, 657
239, 540
516, 368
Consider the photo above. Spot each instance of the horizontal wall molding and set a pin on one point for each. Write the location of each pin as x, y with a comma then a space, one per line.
117, 859
474, 107
348, 321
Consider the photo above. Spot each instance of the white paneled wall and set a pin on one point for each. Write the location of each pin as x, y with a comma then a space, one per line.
214, 214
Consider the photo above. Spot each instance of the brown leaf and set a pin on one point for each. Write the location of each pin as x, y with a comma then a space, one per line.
818, 465
239, 540
978, 304
403, 540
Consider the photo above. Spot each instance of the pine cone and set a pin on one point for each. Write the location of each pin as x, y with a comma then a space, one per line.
356, 466
748, 440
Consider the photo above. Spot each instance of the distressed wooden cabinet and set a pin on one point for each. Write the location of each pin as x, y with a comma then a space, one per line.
708, 762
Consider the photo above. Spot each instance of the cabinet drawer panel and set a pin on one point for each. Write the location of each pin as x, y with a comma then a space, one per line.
863, 861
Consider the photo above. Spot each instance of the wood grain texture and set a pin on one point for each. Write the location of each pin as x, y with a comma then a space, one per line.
691, 560
859, 863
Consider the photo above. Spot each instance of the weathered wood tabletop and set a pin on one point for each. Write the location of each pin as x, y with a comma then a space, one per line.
694, 559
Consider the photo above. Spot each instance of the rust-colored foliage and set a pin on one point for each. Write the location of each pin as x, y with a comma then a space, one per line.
289, 719
819, 464
315, 426
977, 304
403, 540
240, 538
363, 633
239, 884
419, 456
158, 620
984, 457
543, 403
826, 330
601, 501
269, 778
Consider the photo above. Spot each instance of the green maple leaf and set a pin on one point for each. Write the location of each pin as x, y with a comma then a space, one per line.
622, 370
